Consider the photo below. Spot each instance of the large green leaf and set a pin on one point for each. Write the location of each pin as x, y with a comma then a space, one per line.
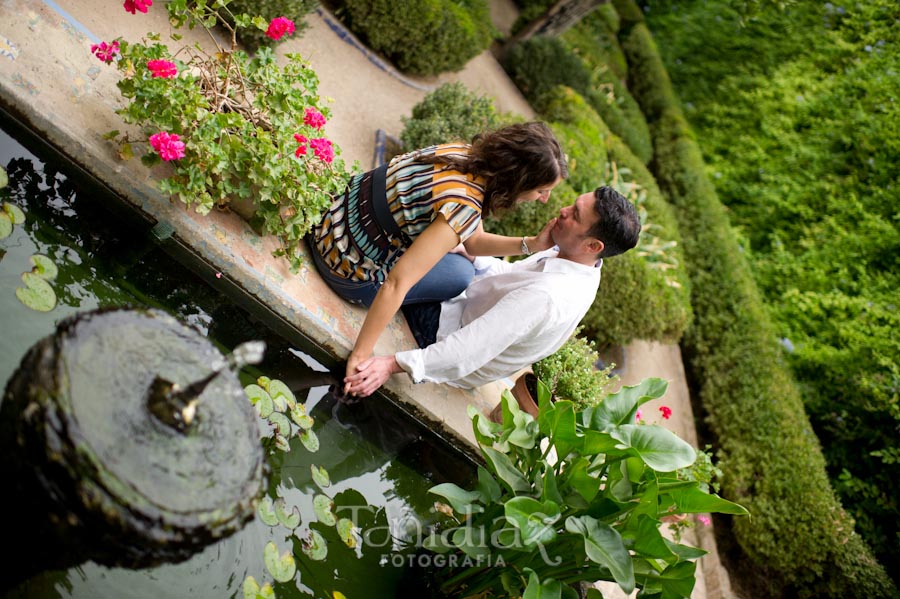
506, 471
619, 408
595, 442
472, 540
534, 519
604, 546
661, 449
524, 432
558, 423
463, 502
678, 580
537, 589
577, 476
693, 500
484, 428
648, 540
550, 490
488, 486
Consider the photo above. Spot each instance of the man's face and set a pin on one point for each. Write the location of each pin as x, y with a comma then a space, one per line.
574, 222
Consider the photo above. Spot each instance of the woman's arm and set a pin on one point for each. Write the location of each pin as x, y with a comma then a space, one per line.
428, 248
482, 243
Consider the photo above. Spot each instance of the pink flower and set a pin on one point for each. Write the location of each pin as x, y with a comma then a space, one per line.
323, 149
105, 52
141, 5
666, 412
637, 416
169, 145
313, 118
162, 68
704, 520
279, 27
302, 141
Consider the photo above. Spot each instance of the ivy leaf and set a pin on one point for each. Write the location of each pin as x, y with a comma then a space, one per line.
281, 567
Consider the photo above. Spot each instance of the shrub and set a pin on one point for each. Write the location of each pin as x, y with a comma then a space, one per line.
773, 462
421, 37
570, 374
449, 113
295, 10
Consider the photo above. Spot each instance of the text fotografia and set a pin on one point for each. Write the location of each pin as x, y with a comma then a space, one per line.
453, 560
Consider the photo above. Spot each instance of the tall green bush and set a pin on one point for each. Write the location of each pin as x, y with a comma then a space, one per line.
421, 37
800, 539
449, 113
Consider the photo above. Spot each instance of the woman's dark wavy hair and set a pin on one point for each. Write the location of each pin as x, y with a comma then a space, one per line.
511, 160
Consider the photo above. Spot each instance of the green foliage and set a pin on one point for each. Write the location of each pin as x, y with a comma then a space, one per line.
449, 113
421, 37
557, 522
542, 63
569, 373
798, 113
773, 460
237, 117
295, 10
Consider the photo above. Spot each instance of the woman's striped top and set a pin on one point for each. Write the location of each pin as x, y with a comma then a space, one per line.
355, 247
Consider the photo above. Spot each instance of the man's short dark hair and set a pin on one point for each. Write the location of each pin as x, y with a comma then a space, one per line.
618, 226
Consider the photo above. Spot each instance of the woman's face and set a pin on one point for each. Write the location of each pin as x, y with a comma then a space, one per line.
541, 194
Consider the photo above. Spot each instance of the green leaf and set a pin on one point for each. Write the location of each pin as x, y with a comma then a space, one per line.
506, 471
44, 267
314, 546
550, 491
14, 212
282, 443
678, 580
577, 476
4, 178
266, 512
603, 545
259, 397
281, 395
484, 428
685, 552
310, 441
281, 423
620, 408
299, 415
488, 486
558, 423
347, 531
111, 134
525, 431
281, 567
661, 449
472, 540
548, 589
252, 590
6, 226
648, 540
37, 294
693, 500
289, 520
324, 506
320, 476
535, 520
463, 501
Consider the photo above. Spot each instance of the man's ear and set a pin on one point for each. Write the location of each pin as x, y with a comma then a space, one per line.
593, 246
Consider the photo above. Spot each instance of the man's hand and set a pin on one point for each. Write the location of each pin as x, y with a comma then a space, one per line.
370, 375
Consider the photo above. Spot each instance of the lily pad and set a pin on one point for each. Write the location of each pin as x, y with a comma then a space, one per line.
281, 423
263, 382
260, 398
299, 415
252, 590
282, 443
6, 225
320, 476
44, 267
14, 213
323, 505
314, 546
347, 531
283, 397
266, 511
281, 567
4, 178
310, 441
290, 520
37, 294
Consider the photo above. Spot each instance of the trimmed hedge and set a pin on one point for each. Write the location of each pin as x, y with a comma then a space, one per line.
449, 113
421, 37
295, 10
799, 537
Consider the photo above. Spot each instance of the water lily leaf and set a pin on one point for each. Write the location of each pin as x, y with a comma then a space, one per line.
44, 267
310, 441
289, 520
604, 545
282, 443
263, 382
252, 590
299, 415
6, 226
347, 531
281, 567
314, 546
37, 293
323, 506
282, 396
14, 213
320, 476
281, 423
534, 519
266, 512
260, 398
4, 178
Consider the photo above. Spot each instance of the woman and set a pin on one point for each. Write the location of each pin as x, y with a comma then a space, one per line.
387, 240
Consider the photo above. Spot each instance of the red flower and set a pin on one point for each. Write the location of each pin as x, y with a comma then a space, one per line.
666, 412
141, 5
169, 145
323, 149
105, 52
278, 27
302, 141
313, 118
162, 68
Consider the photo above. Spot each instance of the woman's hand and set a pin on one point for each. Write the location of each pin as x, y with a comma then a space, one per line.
543, 240
353, 363
371, 374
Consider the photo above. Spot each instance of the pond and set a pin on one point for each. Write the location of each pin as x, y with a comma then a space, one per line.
380, 463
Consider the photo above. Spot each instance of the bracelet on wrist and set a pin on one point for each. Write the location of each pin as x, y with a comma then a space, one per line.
525, 249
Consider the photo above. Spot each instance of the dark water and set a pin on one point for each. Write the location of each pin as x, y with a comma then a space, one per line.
381, 465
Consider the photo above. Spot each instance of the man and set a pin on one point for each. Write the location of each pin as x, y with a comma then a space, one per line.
514, 314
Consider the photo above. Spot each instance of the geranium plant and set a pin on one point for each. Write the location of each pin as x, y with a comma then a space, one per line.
235, 129
576, 495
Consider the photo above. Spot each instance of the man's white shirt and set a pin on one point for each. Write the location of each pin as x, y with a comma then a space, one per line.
512, 315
